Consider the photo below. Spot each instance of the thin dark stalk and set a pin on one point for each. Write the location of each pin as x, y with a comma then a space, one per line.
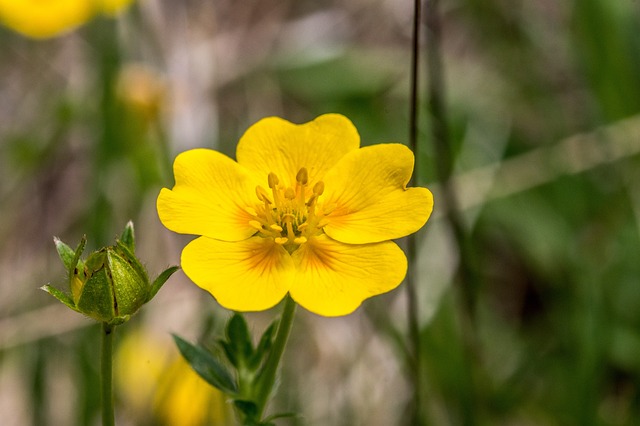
418, 414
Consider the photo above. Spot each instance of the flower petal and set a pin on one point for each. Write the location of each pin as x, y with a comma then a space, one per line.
279, 146
367, 195
249, 275
334, 278
210, 197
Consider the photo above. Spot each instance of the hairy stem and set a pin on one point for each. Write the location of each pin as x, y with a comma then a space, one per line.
268, 376
108, 418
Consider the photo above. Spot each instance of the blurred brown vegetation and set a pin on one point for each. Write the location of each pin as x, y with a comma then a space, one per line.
543, 101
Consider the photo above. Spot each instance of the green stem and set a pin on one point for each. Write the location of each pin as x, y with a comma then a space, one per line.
268, 376
108, 418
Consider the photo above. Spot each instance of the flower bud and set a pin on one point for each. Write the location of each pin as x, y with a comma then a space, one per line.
111, 284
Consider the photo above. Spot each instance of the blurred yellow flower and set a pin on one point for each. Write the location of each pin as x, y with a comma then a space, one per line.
49, 18
153, 379
112, 7
320, 233
142, 90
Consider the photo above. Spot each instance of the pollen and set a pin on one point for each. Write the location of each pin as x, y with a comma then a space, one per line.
289, 214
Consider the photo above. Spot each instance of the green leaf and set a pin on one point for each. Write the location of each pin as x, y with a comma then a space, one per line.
229, 352
128, 237
248, 408
203, 362
159, 282
66, 253
239, 339
263, 348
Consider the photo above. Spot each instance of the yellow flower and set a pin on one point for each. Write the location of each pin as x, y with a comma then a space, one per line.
49, 18
152, 380
321, 230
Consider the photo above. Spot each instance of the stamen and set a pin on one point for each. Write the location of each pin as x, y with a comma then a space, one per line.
288, 219
256, 224
323, 222
288, 214
262, 194
318, 188
302, 177
273, 180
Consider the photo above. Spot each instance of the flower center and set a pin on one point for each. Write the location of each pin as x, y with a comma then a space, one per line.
287, 215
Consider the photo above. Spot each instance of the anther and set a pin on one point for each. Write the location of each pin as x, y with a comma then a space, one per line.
318, 188
262, 194
256, 224
302, 177
273, 180
323, 222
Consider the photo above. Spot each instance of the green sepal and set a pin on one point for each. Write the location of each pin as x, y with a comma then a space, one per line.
130, 283
208, 367
159, 282
76, 257
125, 252
66, 253
128, 237
61, 296
96, 298
119, 320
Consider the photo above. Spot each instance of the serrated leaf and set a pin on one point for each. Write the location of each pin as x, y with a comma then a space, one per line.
159, 282
128, 237
208, 367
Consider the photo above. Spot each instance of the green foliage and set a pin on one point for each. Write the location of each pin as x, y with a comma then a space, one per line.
207, 366
243, 382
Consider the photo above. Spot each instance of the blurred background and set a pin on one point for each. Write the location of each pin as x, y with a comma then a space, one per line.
527, 286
